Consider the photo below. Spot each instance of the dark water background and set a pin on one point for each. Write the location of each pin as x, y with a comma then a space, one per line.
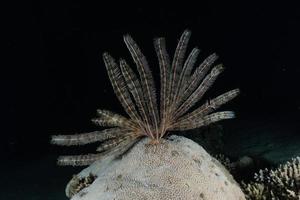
54, 78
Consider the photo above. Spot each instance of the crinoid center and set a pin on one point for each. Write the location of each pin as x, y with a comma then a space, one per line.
155, 141
176, 168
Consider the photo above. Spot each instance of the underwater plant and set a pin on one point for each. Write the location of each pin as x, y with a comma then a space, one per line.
181, 88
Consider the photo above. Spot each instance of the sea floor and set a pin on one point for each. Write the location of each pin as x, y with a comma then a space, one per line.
273, 138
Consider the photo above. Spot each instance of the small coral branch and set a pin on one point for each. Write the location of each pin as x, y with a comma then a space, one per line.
281, 183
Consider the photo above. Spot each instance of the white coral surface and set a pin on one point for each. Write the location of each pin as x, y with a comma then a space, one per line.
177, 168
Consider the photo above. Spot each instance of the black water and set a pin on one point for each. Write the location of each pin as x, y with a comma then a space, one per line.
54, 78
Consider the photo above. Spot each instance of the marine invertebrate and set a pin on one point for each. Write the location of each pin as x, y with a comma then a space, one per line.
180, 89
280, 183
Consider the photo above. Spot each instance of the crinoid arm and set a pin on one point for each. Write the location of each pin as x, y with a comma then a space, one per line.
204, 121
112, 140
181, 88
86, 138
83, 160
210, 106
120, 88
109, 144
107, 118
187, 69
177, 64
78, 160
199, 92
190, 84
146, 79
164, 66
136, 90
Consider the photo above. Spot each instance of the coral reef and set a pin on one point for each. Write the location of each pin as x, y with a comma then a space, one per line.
280, 183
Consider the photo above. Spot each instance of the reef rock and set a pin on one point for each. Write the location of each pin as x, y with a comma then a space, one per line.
177, 168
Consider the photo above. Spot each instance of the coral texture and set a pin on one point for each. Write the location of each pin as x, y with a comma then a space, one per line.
176, 168
281, 183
